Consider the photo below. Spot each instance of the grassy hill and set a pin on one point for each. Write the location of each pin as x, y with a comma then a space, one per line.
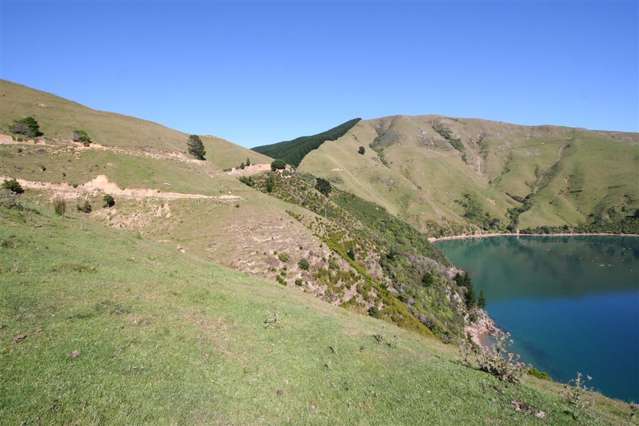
100, 326
200, 298
59, 117
448, 175
293, 151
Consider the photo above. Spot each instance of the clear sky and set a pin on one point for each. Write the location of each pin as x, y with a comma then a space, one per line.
260, 72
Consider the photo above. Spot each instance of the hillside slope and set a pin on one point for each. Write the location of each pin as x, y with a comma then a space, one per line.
168, 196
59, 117
98, 325
448, 175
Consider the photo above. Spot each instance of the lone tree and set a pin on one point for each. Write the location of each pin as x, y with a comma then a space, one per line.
278, 165
81, 136
196, 147
27, 126
361, 150
323, 186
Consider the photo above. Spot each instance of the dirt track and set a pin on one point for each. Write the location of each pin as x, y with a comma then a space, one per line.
101, 184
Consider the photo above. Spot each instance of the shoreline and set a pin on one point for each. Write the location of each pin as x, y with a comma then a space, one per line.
517, 234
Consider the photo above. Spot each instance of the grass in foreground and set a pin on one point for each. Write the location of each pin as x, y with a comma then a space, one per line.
99, 326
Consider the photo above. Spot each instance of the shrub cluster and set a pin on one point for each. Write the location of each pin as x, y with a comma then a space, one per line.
278, 165
59, 206
108, 201
303, 264
82, 137
13, 186
323, 186
27, 126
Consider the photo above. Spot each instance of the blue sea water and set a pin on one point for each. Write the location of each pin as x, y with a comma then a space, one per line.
570, 303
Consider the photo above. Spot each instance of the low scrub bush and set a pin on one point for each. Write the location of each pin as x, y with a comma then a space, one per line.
59, 206
323, 186
13, 186
27, 126
361, 150
247, 180
278, 165
108, 201
303, 264
82, 137
496, 360
283, 257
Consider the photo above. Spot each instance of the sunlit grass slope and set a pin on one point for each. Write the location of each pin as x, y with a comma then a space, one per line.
98, 326
59, 117
426, 168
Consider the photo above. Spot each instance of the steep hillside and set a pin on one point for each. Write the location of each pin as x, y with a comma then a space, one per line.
101, 326
168, 196
293, 151
449, 175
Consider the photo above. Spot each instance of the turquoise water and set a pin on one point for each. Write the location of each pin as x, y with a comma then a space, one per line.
570, 303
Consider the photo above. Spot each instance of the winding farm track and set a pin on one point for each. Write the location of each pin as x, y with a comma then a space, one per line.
101, 184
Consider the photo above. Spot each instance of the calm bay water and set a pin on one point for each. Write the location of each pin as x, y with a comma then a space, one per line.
570, 303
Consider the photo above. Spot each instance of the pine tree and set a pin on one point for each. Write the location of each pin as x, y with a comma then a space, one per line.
196, 147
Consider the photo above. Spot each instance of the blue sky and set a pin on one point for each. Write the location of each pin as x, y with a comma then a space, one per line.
260, 72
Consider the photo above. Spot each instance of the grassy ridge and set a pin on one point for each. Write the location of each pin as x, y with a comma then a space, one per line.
494, 176
164, 338
293, 151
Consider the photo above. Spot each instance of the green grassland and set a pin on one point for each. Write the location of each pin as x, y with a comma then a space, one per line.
164, 338
58, 118
423, 168
166, 334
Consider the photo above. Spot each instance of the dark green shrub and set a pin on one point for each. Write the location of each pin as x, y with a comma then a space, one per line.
303, 264
361, 150
27, 126
82, 137
427, 279
350, 253
196, 147
278, 165
108, 201
247, 180
59, 206
283, 257
323, 186
85, 207
299, 282
13, 186
247, 162
374, 312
